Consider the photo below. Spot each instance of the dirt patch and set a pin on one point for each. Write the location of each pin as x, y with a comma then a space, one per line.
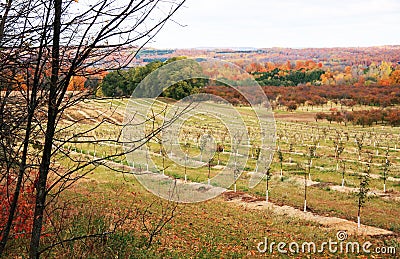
388, 195
323, 185
249, 202
296, 116
300, 181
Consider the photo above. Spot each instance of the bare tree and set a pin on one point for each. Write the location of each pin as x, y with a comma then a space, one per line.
339, 148
219, 150
359, 142
164, 212
186, 148
343, 167
267, 178
311, 155
280, 157
386, 167
236, 140
301, 169
362, 194
43, 46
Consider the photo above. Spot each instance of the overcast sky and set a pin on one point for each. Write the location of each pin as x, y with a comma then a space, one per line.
282, 23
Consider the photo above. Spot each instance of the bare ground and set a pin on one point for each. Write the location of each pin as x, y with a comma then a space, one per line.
296, 116
247, 201
389, 195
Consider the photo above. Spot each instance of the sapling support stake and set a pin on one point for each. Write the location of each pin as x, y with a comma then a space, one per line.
185, 168
235, 176
305, 191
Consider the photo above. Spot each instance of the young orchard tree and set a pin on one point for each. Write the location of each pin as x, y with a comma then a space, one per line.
251, 141
255, 151
311, 155
339, 148
237, 139
299, 166
377, 146
209, 149
202, 144
221, 146
386, 169
186, 148
224, 136
171, 142
186, 151
343, 167
164, 158
45, 45
346, 135
291, 146
197, 138
256, 156
159, 136
209, 163
363, 190
220, 149
359, 142
280, 157
157, 139
325, 133
279, 137
267, 178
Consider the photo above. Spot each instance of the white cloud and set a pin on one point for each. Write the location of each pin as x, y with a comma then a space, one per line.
286, 23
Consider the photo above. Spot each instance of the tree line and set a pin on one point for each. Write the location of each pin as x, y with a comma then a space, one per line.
277, 77
363, 117
311, 96
123, 82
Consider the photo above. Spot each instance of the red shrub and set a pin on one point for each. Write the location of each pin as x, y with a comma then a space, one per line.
23, 218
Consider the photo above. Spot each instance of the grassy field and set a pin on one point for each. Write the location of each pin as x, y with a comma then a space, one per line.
218, 228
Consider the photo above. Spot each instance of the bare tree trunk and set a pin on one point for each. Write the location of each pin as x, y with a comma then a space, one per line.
51, 124
41, 45
32, 104
4, 18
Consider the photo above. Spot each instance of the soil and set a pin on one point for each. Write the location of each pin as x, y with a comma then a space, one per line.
244, 200
296, 117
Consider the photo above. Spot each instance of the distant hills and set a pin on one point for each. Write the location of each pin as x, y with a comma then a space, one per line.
329, 57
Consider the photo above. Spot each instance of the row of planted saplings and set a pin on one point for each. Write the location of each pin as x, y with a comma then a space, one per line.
339, 148
364, 177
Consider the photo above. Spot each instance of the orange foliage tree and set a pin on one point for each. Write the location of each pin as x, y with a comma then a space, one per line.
77, 83
395, 77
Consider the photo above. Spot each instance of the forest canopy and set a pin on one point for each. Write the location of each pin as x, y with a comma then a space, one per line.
124, 82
